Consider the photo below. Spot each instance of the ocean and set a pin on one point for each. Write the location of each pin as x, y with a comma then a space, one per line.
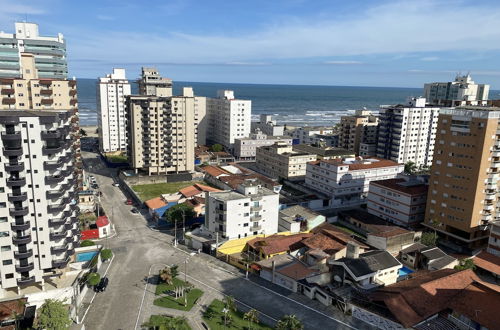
289, 104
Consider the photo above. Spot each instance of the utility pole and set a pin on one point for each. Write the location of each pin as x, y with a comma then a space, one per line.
175, 232
183, 226
185, 270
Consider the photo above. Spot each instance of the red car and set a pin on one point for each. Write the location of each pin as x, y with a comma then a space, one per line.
129, 202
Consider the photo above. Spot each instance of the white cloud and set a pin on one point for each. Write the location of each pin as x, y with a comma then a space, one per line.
429, 58
12, 11
343, 62
391, 28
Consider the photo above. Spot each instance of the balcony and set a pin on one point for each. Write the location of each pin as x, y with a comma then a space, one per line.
7, 91
51, 194
20, 240
8, 101
46, 101
24, 254
54, 179
20, 226
46, 92
51, 150
56, 208
25, 268
11, 136
256, 208
56, 222
14, 167
13, 151
255, 228
59, 249
26, 280
256, 217
72, 92
256, 198
54, 236
51, 135
19, 211
21, 197
60, 263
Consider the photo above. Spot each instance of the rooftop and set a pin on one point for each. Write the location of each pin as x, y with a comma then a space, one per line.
369, 262
279, 260
360, 163
196, 189
487, 261
297, 212
102, 221
296, 271
276, 243
324, 151
403, 186
155, 203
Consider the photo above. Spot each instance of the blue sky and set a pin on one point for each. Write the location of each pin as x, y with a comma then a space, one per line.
353, 43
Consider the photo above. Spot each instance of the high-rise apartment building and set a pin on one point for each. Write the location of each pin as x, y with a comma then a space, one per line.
462, 91
49, 52
280, 161
268, 126
361, 128
407, 132
228, 119
248, 211
151, 83
161, 129
40, 150
200, 118
111, 95
463, 186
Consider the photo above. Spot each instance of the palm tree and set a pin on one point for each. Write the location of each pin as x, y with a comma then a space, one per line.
252, 316
166, 275
410, 167
289, 322
229, 303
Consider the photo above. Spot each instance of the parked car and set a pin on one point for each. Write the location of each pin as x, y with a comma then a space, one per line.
116, 184
134, 210
129, 202
101, 286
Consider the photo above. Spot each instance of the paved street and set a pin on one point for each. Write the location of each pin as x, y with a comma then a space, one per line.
137, 248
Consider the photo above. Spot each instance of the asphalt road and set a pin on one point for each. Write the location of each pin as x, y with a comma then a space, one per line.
137, 248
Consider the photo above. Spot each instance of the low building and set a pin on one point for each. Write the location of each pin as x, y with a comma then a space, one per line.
443, 299
103, 226
487, 264
400, 200
268, 126
494, 240
203, 155
198, 205
298, 218
86, 201
196, 190
347, 180
419, 256
267, 247
357, 129
308, 135
324, 152
250, 210
157, 207
281, 161
367, 270
245, 149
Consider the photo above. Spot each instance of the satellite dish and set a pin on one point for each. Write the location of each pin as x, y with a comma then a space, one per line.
337, 278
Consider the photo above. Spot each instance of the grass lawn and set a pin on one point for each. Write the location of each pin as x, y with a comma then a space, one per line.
160, 320
117, 158
152, 190
171, 302
217, 321
349, 231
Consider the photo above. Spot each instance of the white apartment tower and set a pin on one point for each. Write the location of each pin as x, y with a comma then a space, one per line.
462, 91
151, 83
407, 132
111, 95
228, 119
49, 52
248, 211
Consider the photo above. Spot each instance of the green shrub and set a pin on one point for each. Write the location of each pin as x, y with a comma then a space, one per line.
93, 278
87, 242
106, 254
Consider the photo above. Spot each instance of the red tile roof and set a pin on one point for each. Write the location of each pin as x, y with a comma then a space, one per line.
394, 184
416, 299
213, 170
296, 271
195, 190
8, 308
102, 221
389, 231
487, 261
276, 243
328, 241
155, 203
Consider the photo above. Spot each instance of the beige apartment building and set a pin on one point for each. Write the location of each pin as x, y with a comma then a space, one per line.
161, 131
281, 161
359, 129
463, 188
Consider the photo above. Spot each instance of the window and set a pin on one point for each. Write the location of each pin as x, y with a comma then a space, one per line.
11, 275
7, 262
5, 248
4, 234
3, 219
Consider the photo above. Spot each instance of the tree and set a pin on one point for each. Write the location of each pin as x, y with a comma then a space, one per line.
87, 242
429, 238
83, 132
53, 314
289, 322
410, 167
174, 271
252, 316
228, 319
177, 212
166, 275
209, 313
229, 303
106, 254
465, 264
166, 323
216, 148
93, 278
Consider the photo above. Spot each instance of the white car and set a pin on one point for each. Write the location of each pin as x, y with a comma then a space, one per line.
116, 184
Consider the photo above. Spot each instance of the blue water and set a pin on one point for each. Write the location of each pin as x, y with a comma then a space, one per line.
85, 256
405, 271
290, 104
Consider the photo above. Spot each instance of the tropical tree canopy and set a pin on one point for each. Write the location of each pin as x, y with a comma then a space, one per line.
53, 314
176, 213
216, 148
289, 322
429, 238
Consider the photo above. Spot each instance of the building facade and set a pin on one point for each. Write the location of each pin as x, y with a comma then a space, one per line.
245, 149
153, 84
494, 240
248, 211
111, 96
347, 180
228, 119
408, 133
462, 91
361, 128
400, 200
281, 161
268, 126
49, 52
312, 135
463, 186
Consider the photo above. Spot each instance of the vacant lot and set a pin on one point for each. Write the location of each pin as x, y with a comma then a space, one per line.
152, 190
